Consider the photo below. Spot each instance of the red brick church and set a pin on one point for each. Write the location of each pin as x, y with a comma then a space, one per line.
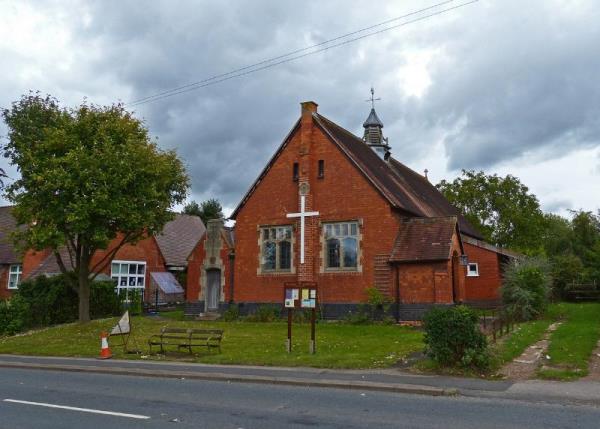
339, 211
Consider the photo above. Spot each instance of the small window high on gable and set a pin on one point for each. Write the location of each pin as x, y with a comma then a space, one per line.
321, 172
295, 173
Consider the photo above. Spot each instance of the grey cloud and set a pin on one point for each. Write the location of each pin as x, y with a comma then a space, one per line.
509, 79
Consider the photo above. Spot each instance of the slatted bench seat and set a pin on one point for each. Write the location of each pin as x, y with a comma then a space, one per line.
187, 338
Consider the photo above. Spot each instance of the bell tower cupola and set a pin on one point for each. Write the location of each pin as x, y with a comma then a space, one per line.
373, 131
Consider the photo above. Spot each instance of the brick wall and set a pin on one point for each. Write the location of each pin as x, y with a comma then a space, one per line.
486, 287
343, 194
145, 250
4, 291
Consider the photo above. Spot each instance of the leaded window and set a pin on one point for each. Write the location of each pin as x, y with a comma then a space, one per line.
341, 245
14, 276
276, 249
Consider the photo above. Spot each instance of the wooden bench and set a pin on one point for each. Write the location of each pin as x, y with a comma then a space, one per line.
584, 295
187, 338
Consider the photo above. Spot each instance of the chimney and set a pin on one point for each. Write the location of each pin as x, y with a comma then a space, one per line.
307, 109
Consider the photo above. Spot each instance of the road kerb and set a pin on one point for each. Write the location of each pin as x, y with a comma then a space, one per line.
241, 378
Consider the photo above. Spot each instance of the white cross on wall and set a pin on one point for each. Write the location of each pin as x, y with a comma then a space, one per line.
302, 215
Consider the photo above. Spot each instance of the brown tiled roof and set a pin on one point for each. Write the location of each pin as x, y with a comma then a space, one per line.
424, 239
179, 237
8, 224
403, 187
49, 266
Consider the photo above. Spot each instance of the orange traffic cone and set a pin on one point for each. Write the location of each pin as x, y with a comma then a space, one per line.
105, 352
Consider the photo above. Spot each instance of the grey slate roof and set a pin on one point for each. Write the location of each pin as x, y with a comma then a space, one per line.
179, 237
49, 266
373, 119
8, 224
403, 187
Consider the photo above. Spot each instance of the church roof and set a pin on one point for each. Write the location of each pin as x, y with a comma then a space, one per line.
404, 188
424, 239
373, 119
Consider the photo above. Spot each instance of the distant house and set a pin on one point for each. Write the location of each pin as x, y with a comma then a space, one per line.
11, 264
156, 261
340, 212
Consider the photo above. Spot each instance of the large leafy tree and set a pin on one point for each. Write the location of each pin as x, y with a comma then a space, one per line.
502, 208
88, 175
206, 210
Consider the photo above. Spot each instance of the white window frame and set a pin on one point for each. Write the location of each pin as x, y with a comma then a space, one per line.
118, 276
469, 272
18, 272
341, 237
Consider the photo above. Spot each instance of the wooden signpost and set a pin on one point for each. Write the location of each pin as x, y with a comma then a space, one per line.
301, 295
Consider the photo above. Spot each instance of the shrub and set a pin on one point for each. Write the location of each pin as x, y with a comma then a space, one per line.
50, 301
13, 316
379, 303
566, 271
265, 313
104, 301
359, 317
132, 301
452, 338
526, 288
231, 314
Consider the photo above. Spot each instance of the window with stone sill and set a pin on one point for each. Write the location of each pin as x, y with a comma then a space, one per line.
276, 249
472, 269
14, 276
341, 246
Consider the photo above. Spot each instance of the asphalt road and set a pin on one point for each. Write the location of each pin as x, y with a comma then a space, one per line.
29, 399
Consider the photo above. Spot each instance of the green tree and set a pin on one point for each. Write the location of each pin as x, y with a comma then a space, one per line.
586, 243
501, 208
192, 208
89, 175
557, 236
209, 209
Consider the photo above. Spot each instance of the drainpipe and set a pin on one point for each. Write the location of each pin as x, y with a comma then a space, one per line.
231, 276
397, 293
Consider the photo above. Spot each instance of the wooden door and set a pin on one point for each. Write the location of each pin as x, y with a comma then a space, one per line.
213, 289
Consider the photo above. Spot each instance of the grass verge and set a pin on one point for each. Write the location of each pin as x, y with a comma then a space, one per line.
523, 336
571, 345
245, 343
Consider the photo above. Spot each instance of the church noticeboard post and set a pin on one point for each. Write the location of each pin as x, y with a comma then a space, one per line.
301, 295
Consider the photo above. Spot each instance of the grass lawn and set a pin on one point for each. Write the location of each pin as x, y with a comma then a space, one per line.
338, 345
522, 337
571, 345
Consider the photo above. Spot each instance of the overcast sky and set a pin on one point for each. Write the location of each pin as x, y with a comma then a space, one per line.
506, 86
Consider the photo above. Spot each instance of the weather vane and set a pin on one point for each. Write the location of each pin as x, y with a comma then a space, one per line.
373, 99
